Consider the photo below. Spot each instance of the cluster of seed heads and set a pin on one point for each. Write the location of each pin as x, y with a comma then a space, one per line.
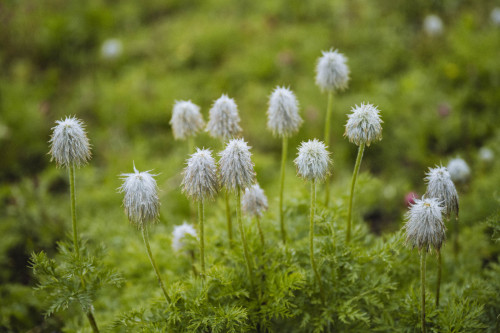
283, 113
69, 145
200, 176
186, 120
254, 201
224, 121
332, 72
364, 125
440, 186
236, 166
313, 160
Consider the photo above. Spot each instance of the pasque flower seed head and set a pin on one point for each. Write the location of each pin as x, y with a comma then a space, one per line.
332, 72
69, 143
283, 113
235, 165
440, 186
254, 201
141, 201
424, 226
313, 160
200, 176
459, 170
179, 234
364, 125
224, 122
186, 120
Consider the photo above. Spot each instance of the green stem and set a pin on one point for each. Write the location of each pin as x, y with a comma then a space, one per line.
438, 289
422, 278
282, 187
92, 321
229, 221
455, 238
311, 238
327, 142
261, 234
190, 142
201, 218
243, 238
361, 149
150, 255
73, 209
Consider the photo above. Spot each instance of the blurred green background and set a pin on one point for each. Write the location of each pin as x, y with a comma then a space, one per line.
120, 65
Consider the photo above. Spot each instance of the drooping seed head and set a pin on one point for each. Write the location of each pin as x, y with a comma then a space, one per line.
224, 122
313, 160
235, 165
459, 170
200, 176
141, 202
69, 145
186, 120
424, 225
440, 186
179, 234
364, 125
283, 113
332, 72
254, 201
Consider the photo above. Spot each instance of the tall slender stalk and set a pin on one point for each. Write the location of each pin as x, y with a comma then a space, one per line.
201, 219
150, 255
229, 220
190, 143
353, 183
311, 238
73, 209
327, 142
455, 238
438, 289
261, 234
282, 187
422, 278
92, 322
243, 238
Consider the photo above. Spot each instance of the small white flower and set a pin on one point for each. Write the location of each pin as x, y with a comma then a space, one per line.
200, 176
332, 72
364, 125
186, 120
283, 113
313, 160
69, 143
440, 186
179, 234
254, 201
495, 16
486, 154
433, 25
458, 169
111, 48
224, 122
141, 197
424, 225
235, 165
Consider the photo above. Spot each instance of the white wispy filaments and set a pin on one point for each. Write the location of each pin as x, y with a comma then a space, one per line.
313, 160
424, 226
283, 113
332, 72
224, 122
69, 143
458, 169
200, 176
236, 166
141, 197
364, 125
254, 201
179, 234
186, 120
440, 186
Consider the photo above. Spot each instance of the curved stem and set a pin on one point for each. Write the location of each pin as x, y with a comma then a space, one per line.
282, 187
422, 278
361, 149
438, 289
311, 238
229, 221
243, 238
261, 234
73, 209
201, 219
150, 255
327, 142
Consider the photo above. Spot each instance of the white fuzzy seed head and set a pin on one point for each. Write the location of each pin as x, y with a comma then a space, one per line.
440, 186
141, 202
424, 225
313, 160
459, 170
179, 234
254, 201
364, 125
486, 155
224, 122
283, 113
495, 16
332, 72
186, 120
69, 143
433, 25
200, 176
235, 165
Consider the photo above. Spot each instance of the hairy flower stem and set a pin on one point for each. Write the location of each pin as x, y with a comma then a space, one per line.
422, 278
455, 238
327, 142
361, 149
438, 289
261, 234
282, 187
150, 255
73, 209
201, 219
243, 238
311, 238
92, 322
190, 143
229, 221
